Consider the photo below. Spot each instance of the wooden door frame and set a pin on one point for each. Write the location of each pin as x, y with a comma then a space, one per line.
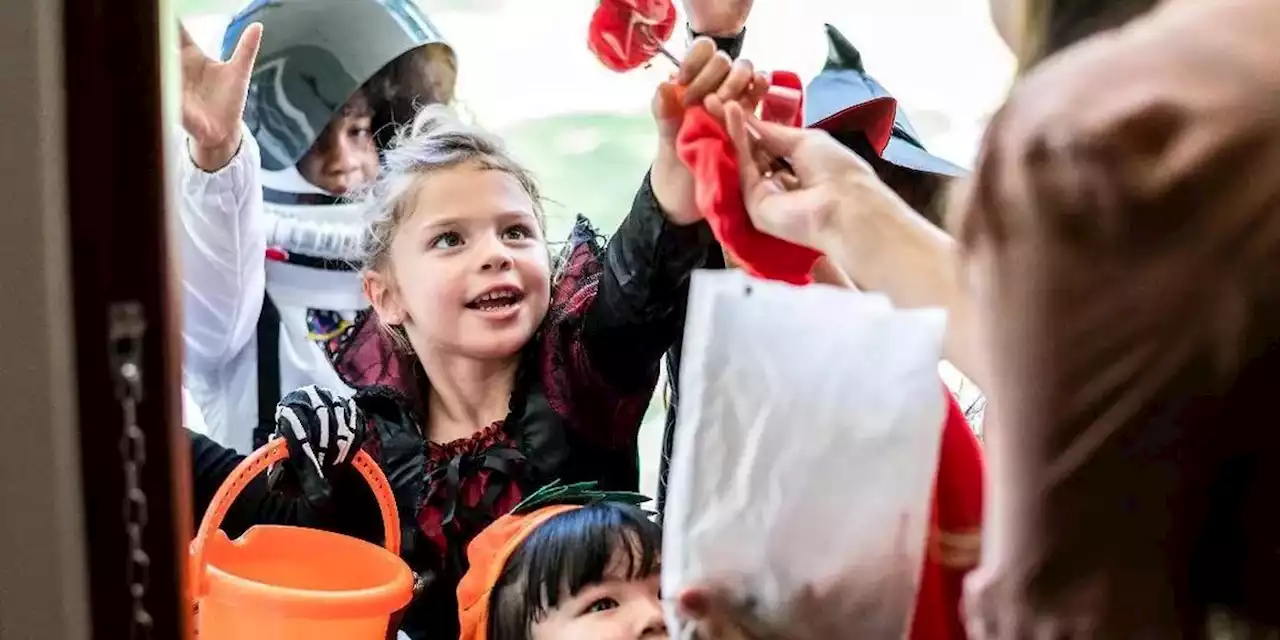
118, 199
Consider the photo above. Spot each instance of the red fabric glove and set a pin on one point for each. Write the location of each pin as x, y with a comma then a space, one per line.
626, 34
704, 146
784, 103
954, 542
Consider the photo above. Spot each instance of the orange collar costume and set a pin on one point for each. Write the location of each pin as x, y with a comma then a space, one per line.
489, 551
488, 554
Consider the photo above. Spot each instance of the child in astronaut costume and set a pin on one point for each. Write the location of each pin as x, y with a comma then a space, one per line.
267, 239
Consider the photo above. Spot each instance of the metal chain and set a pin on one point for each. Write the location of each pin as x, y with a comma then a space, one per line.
125, 333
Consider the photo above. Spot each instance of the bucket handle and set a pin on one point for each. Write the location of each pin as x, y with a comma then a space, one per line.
257, 462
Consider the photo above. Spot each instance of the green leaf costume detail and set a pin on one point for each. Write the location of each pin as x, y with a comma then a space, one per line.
579, 493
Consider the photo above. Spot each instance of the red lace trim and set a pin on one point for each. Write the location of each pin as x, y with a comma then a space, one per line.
472, 445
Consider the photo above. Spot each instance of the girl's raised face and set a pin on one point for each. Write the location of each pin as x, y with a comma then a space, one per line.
616, 608
469, 270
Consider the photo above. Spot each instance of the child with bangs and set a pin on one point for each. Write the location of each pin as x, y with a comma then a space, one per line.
569, 563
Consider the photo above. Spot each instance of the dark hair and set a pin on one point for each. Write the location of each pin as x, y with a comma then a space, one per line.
921, 190
393, 96
567, 553
1053, 25
417, 78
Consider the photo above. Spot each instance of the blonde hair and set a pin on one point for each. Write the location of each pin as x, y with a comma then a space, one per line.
436, 141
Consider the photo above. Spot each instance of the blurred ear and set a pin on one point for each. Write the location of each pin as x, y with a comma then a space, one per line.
381, 292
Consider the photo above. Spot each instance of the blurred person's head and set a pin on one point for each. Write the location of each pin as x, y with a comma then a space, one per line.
333, 80
1036, 29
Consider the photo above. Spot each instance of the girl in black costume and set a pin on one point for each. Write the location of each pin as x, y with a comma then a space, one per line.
479, 376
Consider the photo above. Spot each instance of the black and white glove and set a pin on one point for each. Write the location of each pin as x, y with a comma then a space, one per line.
324, 431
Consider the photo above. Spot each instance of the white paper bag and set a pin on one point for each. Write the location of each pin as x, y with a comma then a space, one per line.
805, 451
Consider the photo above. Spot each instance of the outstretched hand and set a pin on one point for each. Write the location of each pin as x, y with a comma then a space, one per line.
708, 78
829, 181
213, 97
816, 615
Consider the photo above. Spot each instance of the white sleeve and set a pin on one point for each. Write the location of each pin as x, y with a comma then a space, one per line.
223, 256
192, 418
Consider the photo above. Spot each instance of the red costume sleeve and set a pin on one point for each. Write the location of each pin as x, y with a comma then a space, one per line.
953, 543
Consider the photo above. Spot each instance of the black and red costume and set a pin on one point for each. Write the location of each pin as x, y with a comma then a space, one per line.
585, 381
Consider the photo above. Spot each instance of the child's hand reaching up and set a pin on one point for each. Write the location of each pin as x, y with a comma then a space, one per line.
213, 95
706, 77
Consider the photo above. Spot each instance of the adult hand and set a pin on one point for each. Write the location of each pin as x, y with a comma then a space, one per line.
828, 181
815, 614
835, 203
324, 431
716, 617
717, 17
706, 77
213, 95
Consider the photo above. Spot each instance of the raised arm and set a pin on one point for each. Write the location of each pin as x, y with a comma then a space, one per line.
616, 312
639, 310
903, 256
222, 237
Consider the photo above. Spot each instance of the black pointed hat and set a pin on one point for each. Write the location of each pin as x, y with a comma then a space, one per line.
843, 97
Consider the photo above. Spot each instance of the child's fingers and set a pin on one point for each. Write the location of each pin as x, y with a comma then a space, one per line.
668, 110
246, 50
738, 82
709, 78
699, 53
749, 168
714, 106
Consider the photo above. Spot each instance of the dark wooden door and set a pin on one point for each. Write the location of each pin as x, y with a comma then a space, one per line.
135, 481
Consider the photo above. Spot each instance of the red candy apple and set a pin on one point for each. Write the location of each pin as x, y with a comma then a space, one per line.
626, 34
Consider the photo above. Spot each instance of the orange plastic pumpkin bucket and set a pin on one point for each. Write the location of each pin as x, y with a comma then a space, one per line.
292, 583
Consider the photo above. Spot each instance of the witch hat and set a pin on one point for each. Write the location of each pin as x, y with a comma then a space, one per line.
843, 98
